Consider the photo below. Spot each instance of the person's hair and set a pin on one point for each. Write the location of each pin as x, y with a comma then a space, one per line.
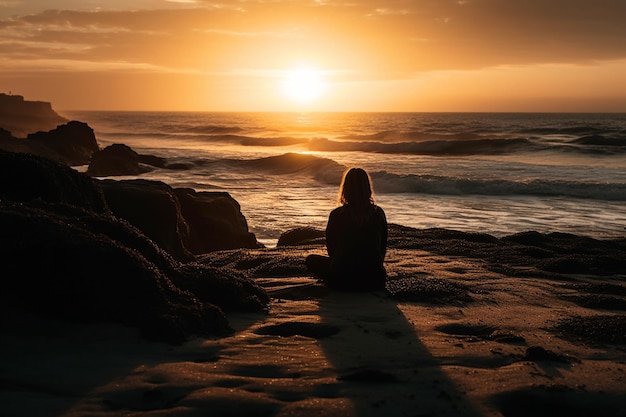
356, 189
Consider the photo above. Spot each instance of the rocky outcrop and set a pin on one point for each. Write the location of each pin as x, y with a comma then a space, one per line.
21, 117
120, 159
72, 143
152, 207
181, 221
65, 255
25, 177
302, 236
215, 221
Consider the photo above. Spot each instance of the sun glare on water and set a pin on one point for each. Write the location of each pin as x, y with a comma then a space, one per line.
303, 85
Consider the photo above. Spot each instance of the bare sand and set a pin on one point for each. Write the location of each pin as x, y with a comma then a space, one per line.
472, 342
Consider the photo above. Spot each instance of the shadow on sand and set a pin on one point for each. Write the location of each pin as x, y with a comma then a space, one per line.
382, 365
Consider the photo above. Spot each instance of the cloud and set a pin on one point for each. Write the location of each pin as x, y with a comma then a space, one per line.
393, 38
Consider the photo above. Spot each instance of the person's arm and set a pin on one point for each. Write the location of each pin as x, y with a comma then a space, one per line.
331, 234
383, 233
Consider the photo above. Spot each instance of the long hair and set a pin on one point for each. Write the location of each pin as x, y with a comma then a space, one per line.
356, 190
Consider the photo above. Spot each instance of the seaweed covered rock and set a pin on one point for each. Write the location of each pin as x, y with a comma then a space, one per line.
57, 267
229, 289
66, 255
153, 208
26, 177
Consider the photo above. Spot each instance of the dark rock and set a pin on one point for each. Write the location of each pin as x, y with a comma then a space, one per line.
26, 177
116, 159
57, 266
181, 221
229, 289
72, 143
153, 208
215, 221
302, 236
65, 255
120, 159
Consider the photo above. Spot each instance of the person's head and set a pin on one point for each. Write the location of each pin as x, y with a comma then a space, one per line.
356, 188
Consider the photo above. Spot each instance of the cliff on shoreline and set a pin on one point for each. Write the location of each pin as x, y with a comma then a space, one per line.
21, 117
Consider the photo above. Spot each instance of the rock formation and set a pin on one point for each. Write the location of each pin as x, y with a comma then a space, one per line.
67, 256
181, 221
120, 159
215, 221
72, 143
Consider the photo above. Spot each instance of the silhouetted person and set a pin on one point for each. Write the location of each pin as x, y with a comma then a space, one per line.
356, 239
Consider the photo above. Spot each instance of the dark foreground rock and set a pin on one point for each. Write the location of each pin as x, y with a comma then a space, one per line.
215, 221
181, 221
66, 255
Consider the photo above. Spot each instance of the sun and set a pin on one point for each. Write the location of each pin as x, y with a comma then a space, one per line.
303, 85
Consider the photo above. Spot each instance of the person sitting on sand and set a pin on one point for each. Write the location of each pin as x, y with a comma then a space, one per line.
356, 239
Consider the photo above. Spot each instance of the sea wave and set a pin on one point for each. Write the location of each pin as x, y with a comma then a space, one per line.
411, 136
386, 182
210, 129
435, 147
601, 140
329, 172
324, 170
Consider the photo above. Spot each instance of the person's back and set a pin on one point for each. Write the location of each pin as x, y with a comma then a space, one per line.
357, 248
356, 239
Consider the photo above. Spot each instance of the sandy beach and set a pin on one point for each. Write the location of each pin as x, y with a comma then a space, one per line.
452, 336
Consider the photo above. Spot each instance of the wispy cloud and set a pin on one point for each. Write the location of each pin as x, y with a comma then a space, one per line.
393, 36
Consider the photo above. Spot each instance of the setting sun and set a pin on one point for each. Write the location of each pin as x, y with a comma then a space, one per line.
303, 85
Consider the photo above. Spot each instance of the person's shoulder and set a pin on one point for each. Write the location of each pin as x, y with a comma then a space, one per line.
378, 211
336, 210
337, 213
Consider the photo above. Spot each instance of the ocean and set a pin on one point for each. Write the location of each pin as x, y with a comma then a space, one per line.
496, 173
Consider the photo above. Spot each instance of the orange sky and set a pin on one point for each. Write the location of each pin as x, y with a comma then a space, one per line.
371, 55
